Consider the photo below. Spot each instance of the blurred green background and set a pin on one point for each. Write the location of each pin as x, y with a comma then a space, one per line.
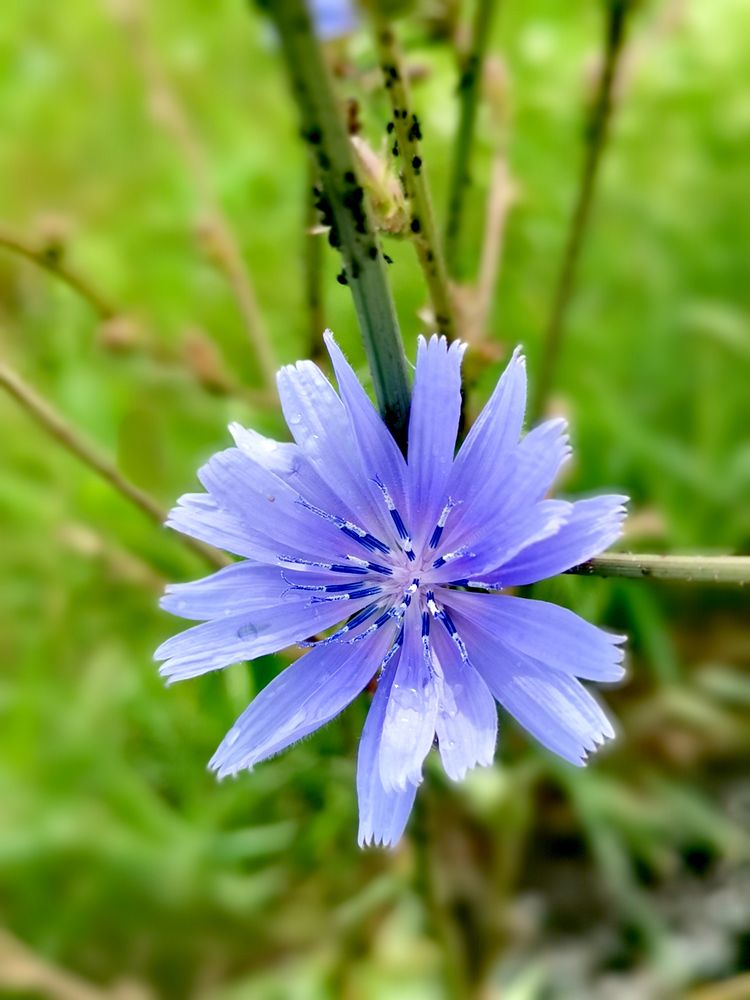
125, 870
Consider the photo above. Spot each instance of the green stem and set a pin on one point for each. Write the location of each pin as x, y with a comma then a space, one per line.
56, 426
343, 204
313, 258
596, 133
469, 89
693, 569
406, 130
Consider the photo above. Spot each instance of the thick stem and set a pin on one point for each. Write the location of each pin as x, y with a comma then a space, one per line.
596, 135
694, 569
344, 208
405, 130
72, 441
469, 90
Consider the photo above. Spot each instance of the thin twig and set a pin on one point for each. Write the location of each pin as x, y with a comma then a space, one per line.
405, 129
693, 569
52, 260
72, 441
216, 230
597, 132
469, 89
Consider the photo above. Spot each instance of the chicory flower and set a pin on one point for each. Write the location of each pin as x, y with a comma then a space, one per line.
404, 560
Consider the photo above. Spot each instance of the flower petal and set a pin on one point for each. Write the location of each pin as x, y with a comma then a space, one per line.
501, 541
274, 519
520, 480
409, 723
433, 425
480, 467
383, 813
301, 699
259, 631
319, 424
198, 515
553, 707
593, 526
549, 634
288, 462
466, 724
379, 454
230, 591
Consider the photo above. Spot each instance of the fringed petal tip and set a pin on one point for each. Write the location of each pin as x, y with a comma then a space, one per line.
437, 342
369, 838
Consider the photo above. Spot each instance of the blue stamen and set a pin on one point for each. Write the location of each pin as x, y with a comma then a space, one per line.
351, 594
350, 529
403, 534
355, 569
450, 556
358, 619
436, 534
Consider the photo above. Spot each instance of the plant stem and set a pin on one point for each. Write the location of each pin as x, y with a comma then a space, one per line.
313, 263
469, 89
52, 260
343, 205
71, 439
596, 137
694, 569
405, 127
501, 198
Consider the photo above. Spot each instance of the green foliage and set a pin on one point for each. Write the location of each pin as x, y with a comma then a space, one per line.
120, 858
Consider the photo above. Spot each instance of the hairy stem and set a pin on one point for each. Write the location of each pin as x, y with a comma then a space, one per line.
405, 130
469, 89
596, 137
693, 569
53, 260
55, 425
344, 207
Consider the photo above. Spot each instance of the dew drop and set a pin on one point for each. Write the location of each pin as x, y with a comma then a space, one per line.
247, 632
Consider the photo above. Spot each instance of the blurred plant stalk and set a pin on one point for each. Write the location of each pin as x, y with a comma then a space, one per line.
344, 207
469, 90
50, 255
597, 132
71, 439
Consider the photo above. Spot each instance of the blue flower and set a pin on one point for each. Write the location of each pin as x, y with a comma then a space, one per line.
409, 555
333, 18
